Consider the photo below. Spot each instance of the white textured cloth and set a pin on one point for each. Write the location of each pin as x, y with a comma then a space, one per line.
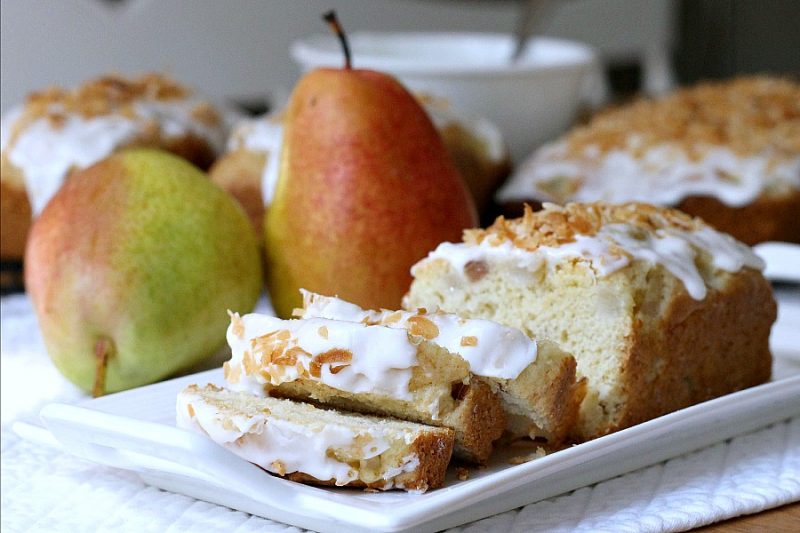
47, 490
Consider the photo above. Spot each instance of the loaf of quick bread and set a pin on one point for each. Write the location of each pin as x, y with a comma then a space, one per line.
535, 379
367, 369
57, 131
304, 443
660, 310
725, 151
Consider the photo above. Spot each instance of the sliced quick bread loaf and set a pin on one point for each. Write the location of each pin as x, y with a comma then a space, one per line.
660, 310
367, 369
536, 380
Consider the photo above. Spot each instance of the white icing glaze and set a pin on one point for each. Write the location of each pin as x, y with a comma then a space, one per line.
273, 442
664, 174
499, 351
612, 249
6, 122
382, 358
46, 154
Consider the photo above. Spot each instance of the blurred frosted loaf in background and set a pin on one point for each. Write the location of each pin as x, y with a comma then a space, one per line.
58, 130
728, 152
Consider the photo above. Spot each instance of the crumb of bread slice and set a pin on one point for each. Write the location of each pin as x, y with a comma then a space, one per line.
305, 443
366, 369
659, 310
535, 379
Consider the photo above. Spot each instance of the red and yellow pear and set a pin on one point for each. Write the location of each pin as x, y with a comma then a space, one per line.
132, 266
366, 188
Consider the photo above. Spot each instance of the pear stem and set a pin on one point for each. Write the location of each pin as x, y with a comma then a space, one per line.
333, 22
102, 351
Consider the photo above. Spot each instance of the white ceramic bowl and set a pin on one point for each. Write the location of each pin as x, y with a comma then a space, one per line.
532, 99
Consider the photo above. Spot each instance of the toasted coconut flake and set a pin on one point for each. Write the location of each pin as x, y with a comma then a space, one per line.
337, 359
520, 459
205, 113
237, 324
279, 468
469, 340
556, 225
315, 369
392, 318
289, 357
232, 373
338, 368
423, 327
748, 115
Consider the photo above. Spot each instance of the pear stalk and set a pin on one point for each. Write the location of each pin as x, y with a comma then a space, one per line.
103, 349
333, 22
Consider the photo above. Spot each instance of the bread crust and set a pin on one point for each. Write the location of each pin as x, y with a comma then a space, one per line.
768, 218
15, 212
696, 350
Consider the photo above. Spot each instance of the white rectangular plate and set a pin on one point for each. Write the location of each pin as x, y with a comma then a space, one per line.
135, 430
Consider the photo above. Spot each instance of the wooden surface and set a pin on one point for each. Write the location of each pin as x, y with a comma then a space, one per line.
778, 520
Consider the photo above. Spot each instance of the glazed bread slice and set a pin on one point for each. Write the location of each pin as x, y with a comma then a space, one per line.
660, 310
304, 443
535, 379
366, 369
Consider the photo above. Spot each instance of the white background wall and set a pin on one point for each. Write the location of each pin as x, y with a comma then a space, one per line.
239, 49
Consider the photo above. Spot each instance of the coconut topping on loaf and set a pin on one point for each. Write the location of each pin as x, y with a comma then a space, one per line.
60, 129
604, 237
345, 355
491, 349
733, 141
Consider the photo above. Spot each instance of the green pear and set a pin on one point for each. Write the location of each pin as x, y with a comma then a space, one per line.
366, 188
131, 269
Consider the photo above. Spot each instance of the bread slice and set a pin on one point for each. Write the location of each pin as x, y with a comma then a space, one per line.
366, 369
304, 443
535, 379
659, 310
